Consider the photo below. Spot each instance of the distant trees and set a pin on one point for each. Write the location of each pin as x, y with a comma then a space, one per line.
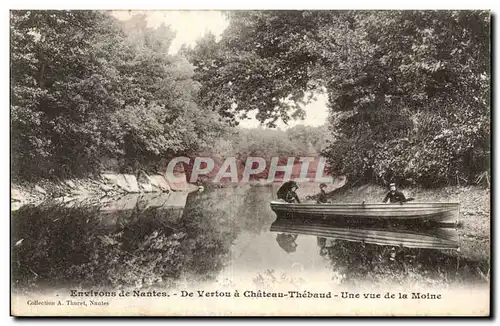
409, 91
267, 143
242, 143
86, 86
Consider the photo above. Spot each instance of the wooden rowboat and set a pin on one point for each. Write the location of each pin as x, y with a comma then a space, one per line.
423, 237
411, 211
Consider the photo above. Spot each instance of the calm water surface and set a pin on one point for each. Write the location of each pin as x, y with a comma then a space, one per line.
219, 236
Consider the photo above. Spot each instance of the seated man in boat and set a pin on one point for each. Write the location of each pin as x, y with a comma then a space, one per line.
394, 196
287, 192
322, 195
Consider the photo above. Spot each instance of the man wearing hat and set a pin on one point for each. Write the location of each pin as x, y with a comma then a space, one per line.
322, 198
394, 196
287, 192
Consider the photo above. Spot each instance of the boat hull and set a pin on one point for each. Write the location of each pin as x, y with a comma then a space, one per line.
428, 212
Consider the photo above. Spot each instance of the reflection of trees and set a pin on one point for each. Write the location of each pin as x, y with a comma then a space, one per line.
360, 262
255, 213
83, 246
210, 231
68, 246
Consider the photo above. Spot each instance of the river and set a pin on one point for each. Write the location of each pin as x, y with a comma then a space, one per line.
219, 236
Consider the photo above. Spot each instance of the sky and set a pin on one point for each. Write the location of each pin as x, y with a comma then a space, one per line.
188, 25
192, 25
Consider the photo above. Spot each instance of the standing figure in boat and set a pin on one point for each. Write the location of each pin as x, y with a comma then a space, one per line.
394, 196
322, 198
287, 192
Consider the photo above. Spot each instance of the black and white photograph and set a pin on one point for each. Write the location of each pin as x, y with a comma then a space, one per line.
250, 162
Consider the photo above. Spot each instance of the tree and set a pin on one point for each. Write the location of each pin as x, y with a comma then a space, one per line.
86, 86
261, 63
161, 117
419, 97
408, 90
64, 90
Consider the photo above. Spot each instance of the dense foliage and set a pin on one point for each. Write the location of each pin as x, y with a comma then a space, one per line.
409, 91
85, 86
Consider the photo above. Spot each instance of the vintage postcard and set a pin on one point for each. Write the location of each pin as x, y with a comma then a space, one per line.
250, 163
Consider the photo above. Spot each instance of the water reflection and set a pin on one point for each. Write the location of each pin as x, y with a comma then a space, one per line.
78, 246
133, 241
124, 243
383, 253
222, 234
384, 233
287, 241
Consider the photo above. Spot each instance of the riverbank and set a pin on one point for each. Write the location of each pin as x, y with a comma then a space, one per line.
107, 184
